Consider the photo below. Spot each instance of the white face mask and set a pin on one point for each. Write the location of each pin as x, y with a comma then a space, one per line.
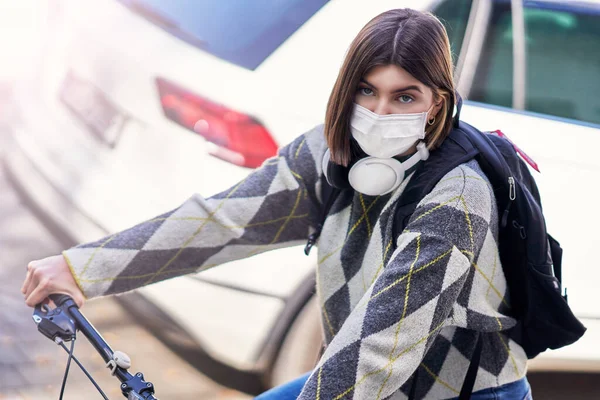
386, 136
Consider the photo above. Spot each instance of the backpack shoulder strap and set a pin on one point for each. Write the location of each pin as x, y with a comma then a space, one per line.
454, 151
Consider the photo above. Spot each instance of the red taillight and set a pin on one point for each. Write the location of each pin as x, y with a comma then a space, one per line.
240, 139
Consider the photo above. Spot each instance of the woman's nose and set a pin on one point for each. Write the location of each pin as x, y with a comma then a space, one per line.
382, 108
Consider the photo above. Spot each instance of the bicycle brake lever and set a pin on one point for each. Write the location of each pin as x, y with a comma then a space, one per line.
54, 323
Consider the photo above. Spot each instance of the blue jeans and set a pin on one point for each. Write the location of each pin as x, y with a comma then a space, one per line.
519, 390
287, 391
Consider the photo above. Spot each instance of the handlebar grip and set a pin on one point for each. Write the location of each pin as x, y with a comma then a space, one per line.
59, 299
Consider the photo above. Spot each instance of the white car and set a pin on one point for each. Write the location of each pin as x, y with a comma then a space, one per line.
135, 104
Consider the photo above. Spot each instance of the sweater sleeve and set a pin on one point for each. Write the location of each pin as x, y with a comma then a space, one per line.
275, 206
387, 334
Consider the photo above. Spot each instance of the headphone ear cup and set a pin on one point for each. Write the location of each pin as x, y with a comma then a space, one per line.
336, 175
376, 176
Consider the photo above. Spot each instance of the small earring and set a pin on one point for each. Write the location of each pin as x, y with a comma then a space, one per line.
431, 121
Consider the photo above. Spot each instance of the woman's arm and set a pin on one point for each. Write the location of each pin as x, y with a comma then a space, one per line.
388, 333
275, 206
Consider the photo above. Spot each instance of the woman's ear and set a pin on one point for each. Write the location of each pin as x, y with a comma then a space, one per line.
434, 114
438, 102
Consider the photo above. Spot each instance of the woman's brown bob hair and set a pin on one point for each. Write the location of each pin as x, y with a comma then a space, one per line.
413, 40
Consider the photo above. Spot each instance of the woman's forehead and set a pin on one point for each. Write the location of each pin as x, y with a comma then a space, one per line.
391, 77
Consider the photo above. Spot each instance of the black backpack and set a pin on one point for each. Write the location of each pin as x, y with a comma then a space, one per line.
530, 257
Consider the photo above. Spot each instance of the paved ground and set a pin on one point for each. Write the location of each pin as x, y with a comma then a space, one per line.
31, 366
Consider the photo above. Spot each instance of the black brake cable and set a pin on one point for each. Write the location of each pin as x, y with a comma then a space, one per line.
70, 352
64, 382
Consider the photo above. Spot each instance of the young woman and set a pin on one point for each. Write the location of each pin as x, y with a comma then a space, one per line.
398, 323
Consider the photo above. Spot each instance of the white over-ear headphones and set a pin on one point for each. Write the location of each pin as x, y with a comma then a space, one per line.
378, 176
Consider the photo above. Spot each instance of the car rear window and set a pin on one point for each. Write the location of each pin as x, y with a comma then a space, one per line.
454, 14
562, 59
240, 31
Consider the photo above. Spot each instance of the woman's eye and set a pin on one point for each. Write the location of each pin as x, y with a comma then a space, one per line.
405, 99
365, 91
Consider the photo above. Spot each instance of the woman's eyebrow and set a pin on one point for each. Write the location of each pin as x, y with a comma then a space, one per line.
404, 89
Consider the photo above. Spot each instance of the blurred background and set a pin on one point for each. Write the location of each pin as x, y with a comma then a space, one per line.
114, 111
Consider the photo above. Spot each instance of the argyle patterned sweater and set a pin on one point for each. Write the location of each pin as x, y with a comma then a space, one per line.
388, 310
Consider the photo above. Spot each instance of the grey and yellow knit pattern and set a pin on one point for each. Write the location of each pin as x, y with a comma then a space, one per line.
386, 313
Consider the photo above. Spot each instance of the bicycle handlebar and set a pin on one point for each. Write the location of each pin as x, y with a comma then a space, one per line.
59, 298
65, 319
